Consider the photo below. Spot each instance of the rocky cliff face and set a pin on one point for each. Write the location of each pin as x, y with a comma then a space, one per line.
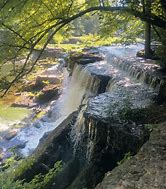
112, 123
145, 170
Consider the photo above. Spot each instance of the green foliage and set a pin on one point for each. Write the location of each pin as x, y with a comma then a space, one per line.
15, 169
150, 127
88, 24
10, 161
27, 24
21, 167
41, 181
7, 180
124, 26
126, 157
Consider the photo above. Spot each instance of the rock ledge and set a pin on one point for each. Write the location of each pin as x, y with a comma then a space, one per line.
146, 170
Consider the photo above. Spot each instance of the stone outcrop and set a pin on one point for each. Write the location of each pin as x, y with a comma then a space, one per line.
50, 79
83, 59
48, 93
146, 170
108, 132
44, 88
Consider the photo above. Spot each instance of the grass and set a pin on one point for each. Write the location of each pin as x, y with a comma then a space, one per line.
126, 157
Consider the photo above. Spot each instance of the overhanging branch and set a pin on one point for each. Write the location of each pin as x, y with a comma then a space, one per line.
153, 19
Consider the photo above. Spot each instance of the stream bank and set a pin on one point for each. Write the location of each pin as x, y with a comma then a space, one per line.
24, 105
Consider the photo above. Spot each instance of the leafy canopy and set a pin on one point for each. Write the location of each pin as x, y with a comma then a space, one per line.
28, 24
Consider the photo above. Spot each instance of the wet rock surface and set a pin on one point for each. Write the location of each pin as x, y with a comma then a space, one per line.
48, 93
145, 170
142, 69
84, 58
108, 106
11, 134
105, 144
50, 79
112, 124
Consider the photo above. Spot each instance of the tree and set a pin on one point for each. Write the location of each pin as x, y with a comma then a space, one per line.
147, 10
29, 22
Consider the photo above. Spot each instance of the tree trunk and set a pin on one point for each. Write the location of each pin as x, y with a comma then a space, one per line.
148, 31
147, 40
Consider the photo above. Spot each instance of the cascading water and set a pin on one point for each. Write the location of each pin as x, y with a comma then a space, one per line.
130, 83
100, 91
124, 59
122, 82
82, 84
75, 91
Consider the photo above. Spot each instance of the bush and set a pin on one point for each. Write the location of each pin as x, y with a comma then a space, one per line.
7, 178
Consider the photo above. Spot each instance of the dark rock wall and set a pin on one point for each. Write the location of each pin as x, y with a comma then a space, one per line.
146, 170
103, 144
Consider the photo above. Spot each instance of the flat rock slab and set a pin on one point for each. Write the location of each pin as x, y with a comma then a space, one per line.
108, 105
48, 93
86, 58
146, 170
51, 79
24, 101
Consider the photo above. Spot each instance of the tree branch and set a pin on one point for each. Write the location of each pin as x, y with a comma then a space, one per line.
153, 19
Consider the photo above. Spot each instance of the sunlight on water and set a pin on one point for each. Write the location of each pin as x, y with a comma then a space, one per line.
11, 115
81, 86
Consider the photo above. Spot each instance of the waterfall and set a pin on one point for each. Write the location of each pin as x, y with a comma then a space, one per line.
76, 91
82, 85
130, 82
123, 78
137, 68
